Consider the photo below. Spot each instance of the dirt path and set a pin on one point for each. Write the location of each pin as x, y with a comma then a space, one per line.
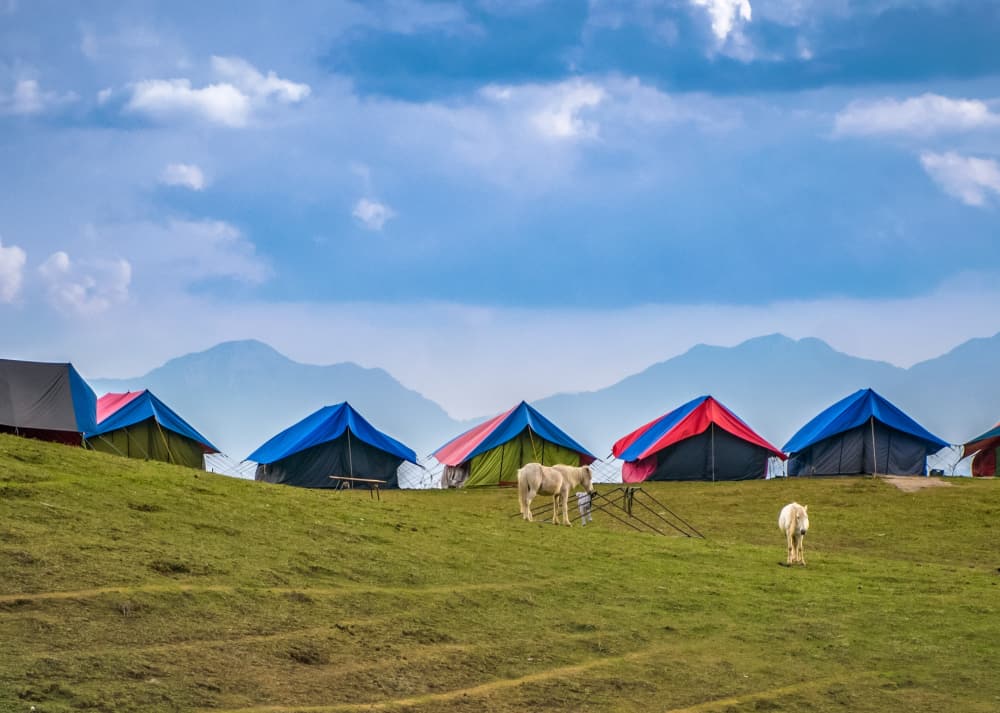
481, 689
198, 644
484, 689
317, 591
723, 703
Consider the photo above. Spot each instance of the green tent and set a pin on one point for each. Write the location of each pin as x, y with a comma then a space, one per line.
499, 465
492, 452
138, 425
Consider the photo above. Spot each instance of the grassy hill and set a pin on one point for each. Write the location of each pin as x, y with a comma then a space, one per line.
134, 586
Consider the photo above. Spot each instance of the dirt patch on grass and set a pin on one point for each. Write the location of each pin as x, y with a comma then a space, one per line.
911, 484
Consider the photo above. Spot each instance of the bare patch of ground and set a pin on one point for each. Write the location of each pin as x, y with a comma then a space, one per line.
911, 484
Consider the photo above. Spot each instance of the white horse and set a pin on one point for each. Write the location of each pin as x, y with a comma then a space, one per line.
557, 480
794, 522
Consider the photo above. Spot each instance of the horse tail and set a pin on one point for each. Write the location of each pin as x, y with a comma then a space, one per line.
522, 489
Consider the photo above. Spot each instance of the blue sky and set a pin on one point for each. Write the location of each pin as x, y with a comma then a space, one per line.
428, 187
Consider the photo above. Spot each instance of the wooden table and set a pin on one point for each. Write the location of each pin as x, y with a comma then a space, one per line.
373, 484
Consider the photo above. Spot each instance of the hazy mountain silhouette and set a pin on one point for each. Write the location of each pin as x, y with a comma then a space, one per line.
239, 394
777, 384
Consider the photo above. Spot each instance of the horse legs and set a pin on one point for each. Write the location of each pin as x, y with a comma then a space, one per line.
790, 536
555, 508
565, 506
528, 497
801, 554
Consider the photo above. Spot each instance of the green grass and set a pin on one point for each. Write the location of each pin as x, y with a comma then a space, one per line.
139, 586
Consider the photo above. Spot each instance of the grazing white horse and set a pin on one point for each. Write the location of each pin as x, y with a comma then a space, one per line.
557, 480
794, 522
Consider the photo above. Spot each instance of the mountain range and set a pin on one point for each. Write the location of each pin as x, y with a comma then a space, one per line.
239, 394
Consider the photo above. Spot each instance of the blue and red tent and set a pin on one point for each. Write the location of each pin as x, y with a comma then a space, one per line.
492, 452
863, 433
136, 424
701, 440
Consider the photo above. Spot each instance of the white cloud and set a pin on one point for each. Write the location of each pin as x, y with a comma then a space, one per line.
556, 112
12, 260
725, 15
228, 103
178, 253
183, 174
29, 98
245, 76
175, 99
527, 137
104, 95
560, 118
924, 115
87, 288
967, 178
372, 214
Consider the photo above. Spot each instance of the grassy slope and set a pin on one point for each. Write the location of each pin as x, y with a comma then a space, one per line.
133, 586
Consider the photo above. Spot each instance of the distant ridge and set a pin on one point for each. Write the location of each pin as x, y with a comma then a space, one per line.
241, 393
776, 384
244, 392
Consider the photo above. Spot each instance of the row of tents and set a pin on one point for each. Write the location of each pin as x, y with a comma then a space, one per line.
52, 402
701, 440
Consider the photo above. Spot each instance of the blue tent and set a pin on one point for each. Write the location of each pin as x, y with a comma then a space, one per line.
863, 433
335, 440
137, 424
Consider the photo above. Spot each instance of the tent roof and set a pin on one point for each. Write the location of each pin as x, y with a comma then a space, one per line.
854, 411
45, 396
499, 430
686, 421
323, 426
116, 411
981, 441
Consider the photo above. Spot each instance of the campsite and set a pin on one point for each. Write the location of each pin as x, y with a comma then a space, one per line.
134, 585
499, 356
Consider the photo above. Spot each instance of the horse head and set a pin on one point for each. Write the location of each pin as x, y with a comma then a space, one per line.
802, 520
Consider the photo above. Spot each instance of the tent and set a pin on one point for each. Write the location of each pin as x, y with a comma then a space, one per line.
47, 401
492, 452
136, 424
985, 449
701, 440
863, 433
335, 440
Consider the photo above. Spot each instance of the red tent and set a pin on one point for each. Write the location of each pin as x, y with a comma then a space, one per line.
701, 440
985, 448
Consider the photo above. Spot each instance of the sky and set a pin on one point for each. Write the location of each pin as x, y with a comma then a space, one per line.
496, 200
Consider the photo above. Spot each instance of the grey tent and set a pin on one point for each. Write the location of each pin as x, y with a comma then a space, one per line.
47, 401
